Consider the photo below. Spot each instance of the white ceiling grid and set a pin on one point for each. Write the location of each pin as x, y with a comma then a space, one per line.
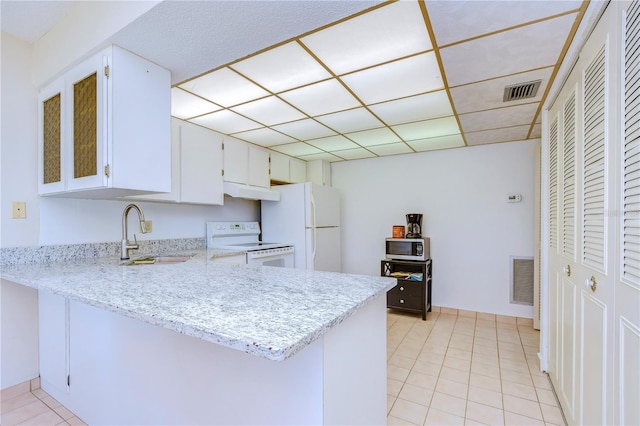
373, 84
381, 78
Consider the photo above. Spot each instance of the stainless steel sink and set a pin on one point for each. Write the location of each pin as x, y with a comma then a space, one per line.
159, 259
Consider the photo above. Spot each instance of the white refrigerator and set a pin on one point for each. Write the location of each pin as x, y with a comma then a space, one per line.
307, 215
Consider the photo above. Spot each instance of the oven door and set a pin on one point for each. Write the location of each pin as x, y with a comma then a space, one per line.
280, 257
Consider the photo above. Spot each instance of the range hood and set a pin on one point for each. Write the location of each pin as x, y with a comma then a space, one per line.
249, 192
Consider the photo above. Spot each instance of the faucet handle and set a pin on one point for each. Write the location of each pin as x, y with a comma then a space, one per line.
135, 240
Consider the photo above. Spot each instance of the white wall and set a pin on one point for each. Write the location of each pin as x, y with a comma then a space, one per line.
462, 194
18, 147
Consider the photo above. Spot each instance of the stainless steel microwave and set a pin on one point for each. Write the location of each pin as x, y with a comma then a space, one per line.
407, 248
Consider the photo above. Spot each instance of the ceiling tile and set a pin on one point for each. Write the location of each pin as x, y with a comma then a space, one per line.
226, 122
333, 143
296, 149
264, 137
283, 68
521, 49
501, 117
442, 142
458, 20
427, 129
391, 149
374, 137
304, 129
350, 121
517, 133
269, 111
321, 156
410, 76
186, 105
321, 98
488, 94
224, 87
354, 154
414, 108
390, 32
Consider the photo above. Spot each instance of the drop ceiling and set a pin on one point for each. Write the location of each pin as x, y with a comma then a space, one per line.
362, 79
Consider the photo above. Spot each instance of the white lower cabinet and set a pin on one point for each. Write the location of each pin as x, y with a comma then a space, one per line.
196, 166
53, 313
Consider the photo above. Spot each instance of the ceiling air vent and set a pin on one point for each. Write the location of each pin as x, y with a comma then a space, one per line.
521, 91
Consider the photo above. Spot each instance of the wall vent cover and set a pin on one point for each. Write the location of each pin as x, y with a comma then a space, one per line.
522, 280
521, 91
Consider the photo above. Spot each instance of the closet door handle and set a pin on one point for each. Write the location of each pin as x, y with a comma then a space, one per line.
567, 270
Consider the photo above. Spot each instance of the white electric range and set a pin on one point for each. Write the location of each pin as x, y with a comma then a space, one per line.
245, 236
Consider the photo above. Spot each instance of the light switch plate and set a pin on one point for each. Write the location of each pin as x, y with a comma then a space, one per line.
19, 210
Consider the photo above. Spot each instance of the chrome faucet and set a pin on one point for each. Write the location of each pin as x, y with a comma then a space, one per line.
126, 245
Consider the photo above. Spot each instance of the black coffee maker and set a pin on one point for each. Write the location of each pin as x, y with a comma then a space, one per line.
414, 225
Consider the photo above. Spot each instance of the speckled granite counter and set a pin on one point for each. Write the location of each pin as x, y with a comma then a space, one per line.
269, 312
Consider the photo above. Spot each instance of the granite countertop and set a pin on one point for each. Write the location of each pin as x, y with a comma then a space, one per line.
264, 311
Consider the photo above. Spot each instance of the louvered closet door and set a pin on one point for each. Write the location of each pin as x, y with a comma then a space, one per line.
627, 287
594, 271
582, 124
562, 232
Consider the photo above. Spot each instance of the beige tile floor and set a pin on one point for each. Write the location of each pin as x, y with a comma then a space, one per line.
461, 368
28, 404
456, 368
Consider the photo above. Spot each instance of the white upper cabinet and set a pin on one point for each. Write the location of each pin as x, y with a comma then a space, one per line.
297, 170
200, 165
196, 166
246, 164
285, 169
280, 168
104, 128
236, 161
259, 167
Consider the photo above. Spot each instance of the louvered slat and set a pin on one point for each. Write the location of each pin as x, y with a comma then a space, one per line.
631, 173
553, 184
593, 164
568, 178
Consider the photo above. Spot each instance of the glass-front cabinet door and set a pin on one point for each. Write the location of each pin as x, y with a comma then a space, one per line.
73, 129
51, 114
86, 120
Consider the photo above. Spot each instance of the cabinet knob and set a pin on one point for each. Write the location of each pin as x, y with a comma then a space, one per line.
401, 300
401, 288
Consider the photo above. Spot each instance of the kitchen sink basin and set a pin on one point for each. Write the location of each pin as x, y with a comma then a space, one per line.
159, 259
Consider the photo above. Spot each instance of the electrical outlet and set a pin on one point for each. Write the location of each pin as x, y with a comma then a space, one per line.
19, 210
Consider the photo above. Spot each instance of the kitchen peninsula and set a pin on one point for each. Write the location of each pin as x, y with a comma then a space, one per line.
207, 342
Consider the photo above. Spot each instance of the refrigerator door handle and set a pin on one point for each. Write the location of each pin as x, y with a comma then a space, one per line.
313, 224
